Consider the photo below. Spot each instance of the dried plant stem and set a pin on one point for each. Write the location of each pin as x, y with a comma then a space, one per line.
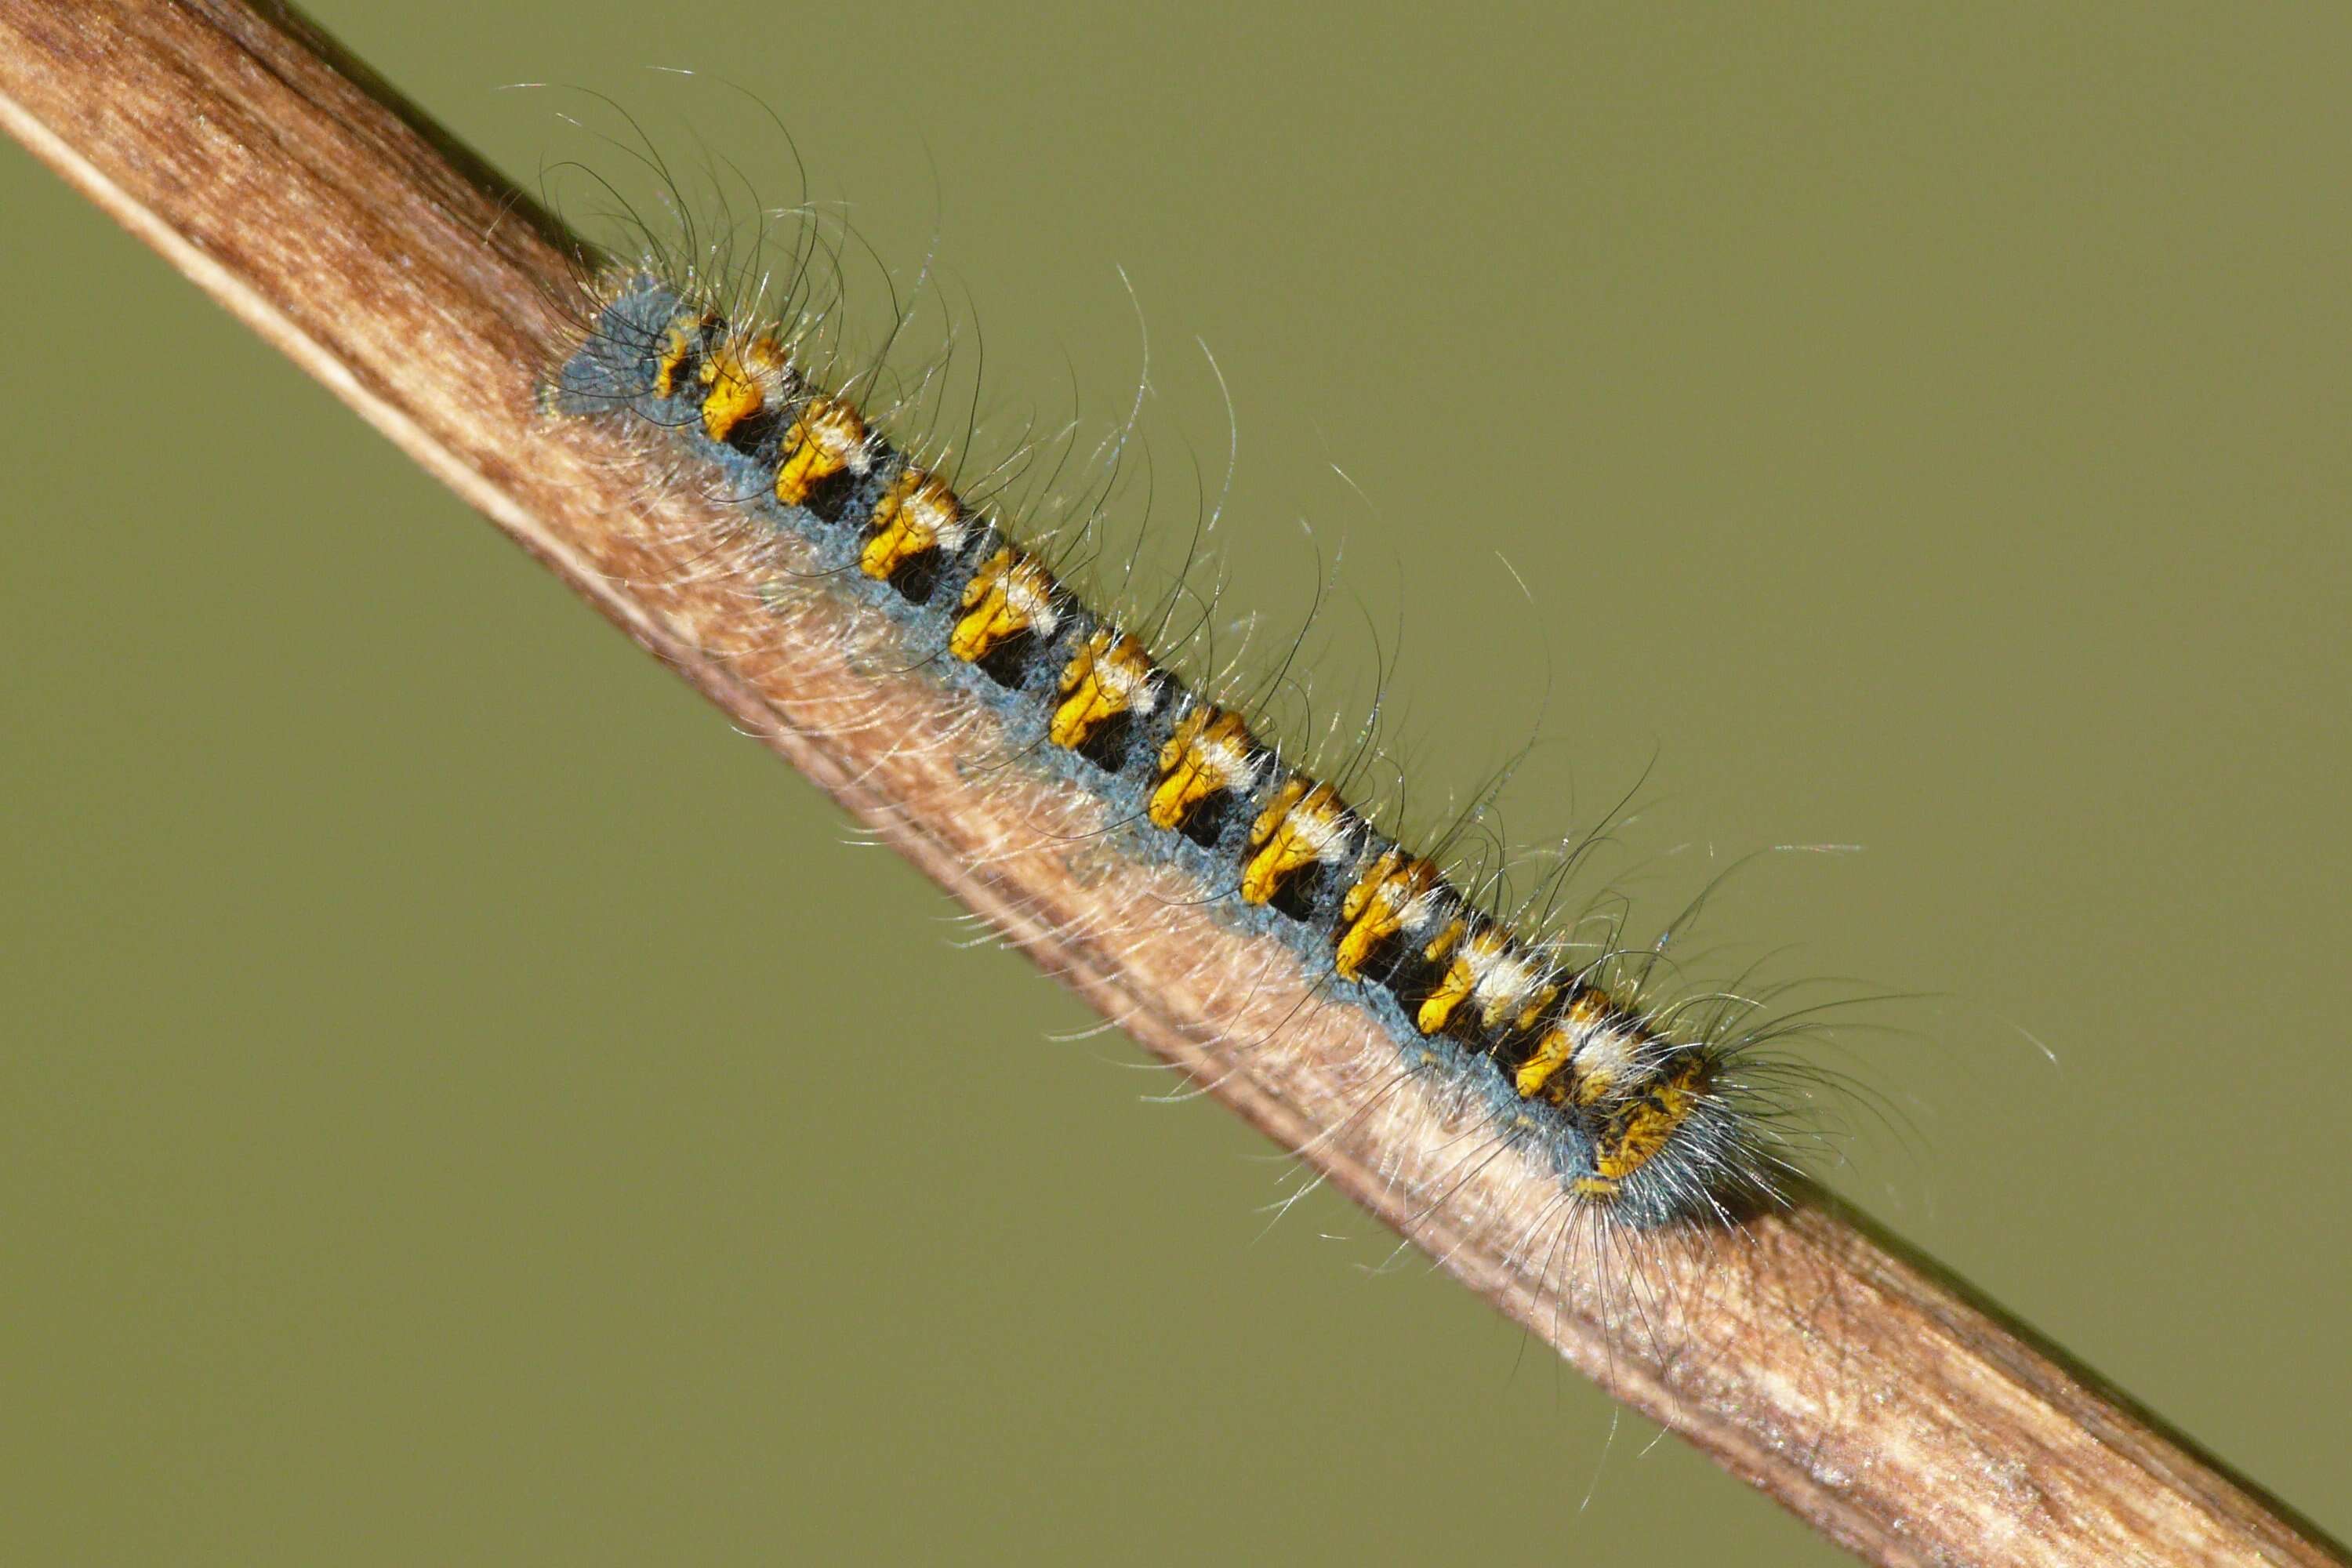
1853, 1382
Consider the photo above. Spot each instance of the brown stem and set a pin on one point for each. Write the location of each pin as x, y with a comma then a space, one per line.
1809, 1354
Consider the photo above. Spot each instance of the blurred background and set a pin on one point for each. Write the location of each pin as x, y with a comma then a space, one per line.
439, 1117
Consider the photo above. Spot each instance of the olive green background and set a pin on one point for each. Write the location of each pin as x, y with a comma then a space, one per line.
461, 1102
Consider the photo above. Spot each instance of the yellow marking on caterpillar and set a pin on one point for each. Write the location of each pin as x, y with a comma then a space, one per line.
1540, 999
742, 376
915, 514
1008, 596
1605, 1061
1637, 1131
1209, 752
1551, 1054
1569, 1033
1376, 907
1305, 823
1110, 676
1500, 997
1478, 957
686, 330
827, 436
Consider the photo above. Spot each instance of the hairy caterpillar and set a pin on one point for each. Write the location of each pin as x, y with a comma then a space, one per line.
1642, 1106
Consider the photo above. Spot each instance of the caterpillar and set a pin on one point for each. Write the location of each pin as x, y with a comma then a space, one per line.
1641, 1106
